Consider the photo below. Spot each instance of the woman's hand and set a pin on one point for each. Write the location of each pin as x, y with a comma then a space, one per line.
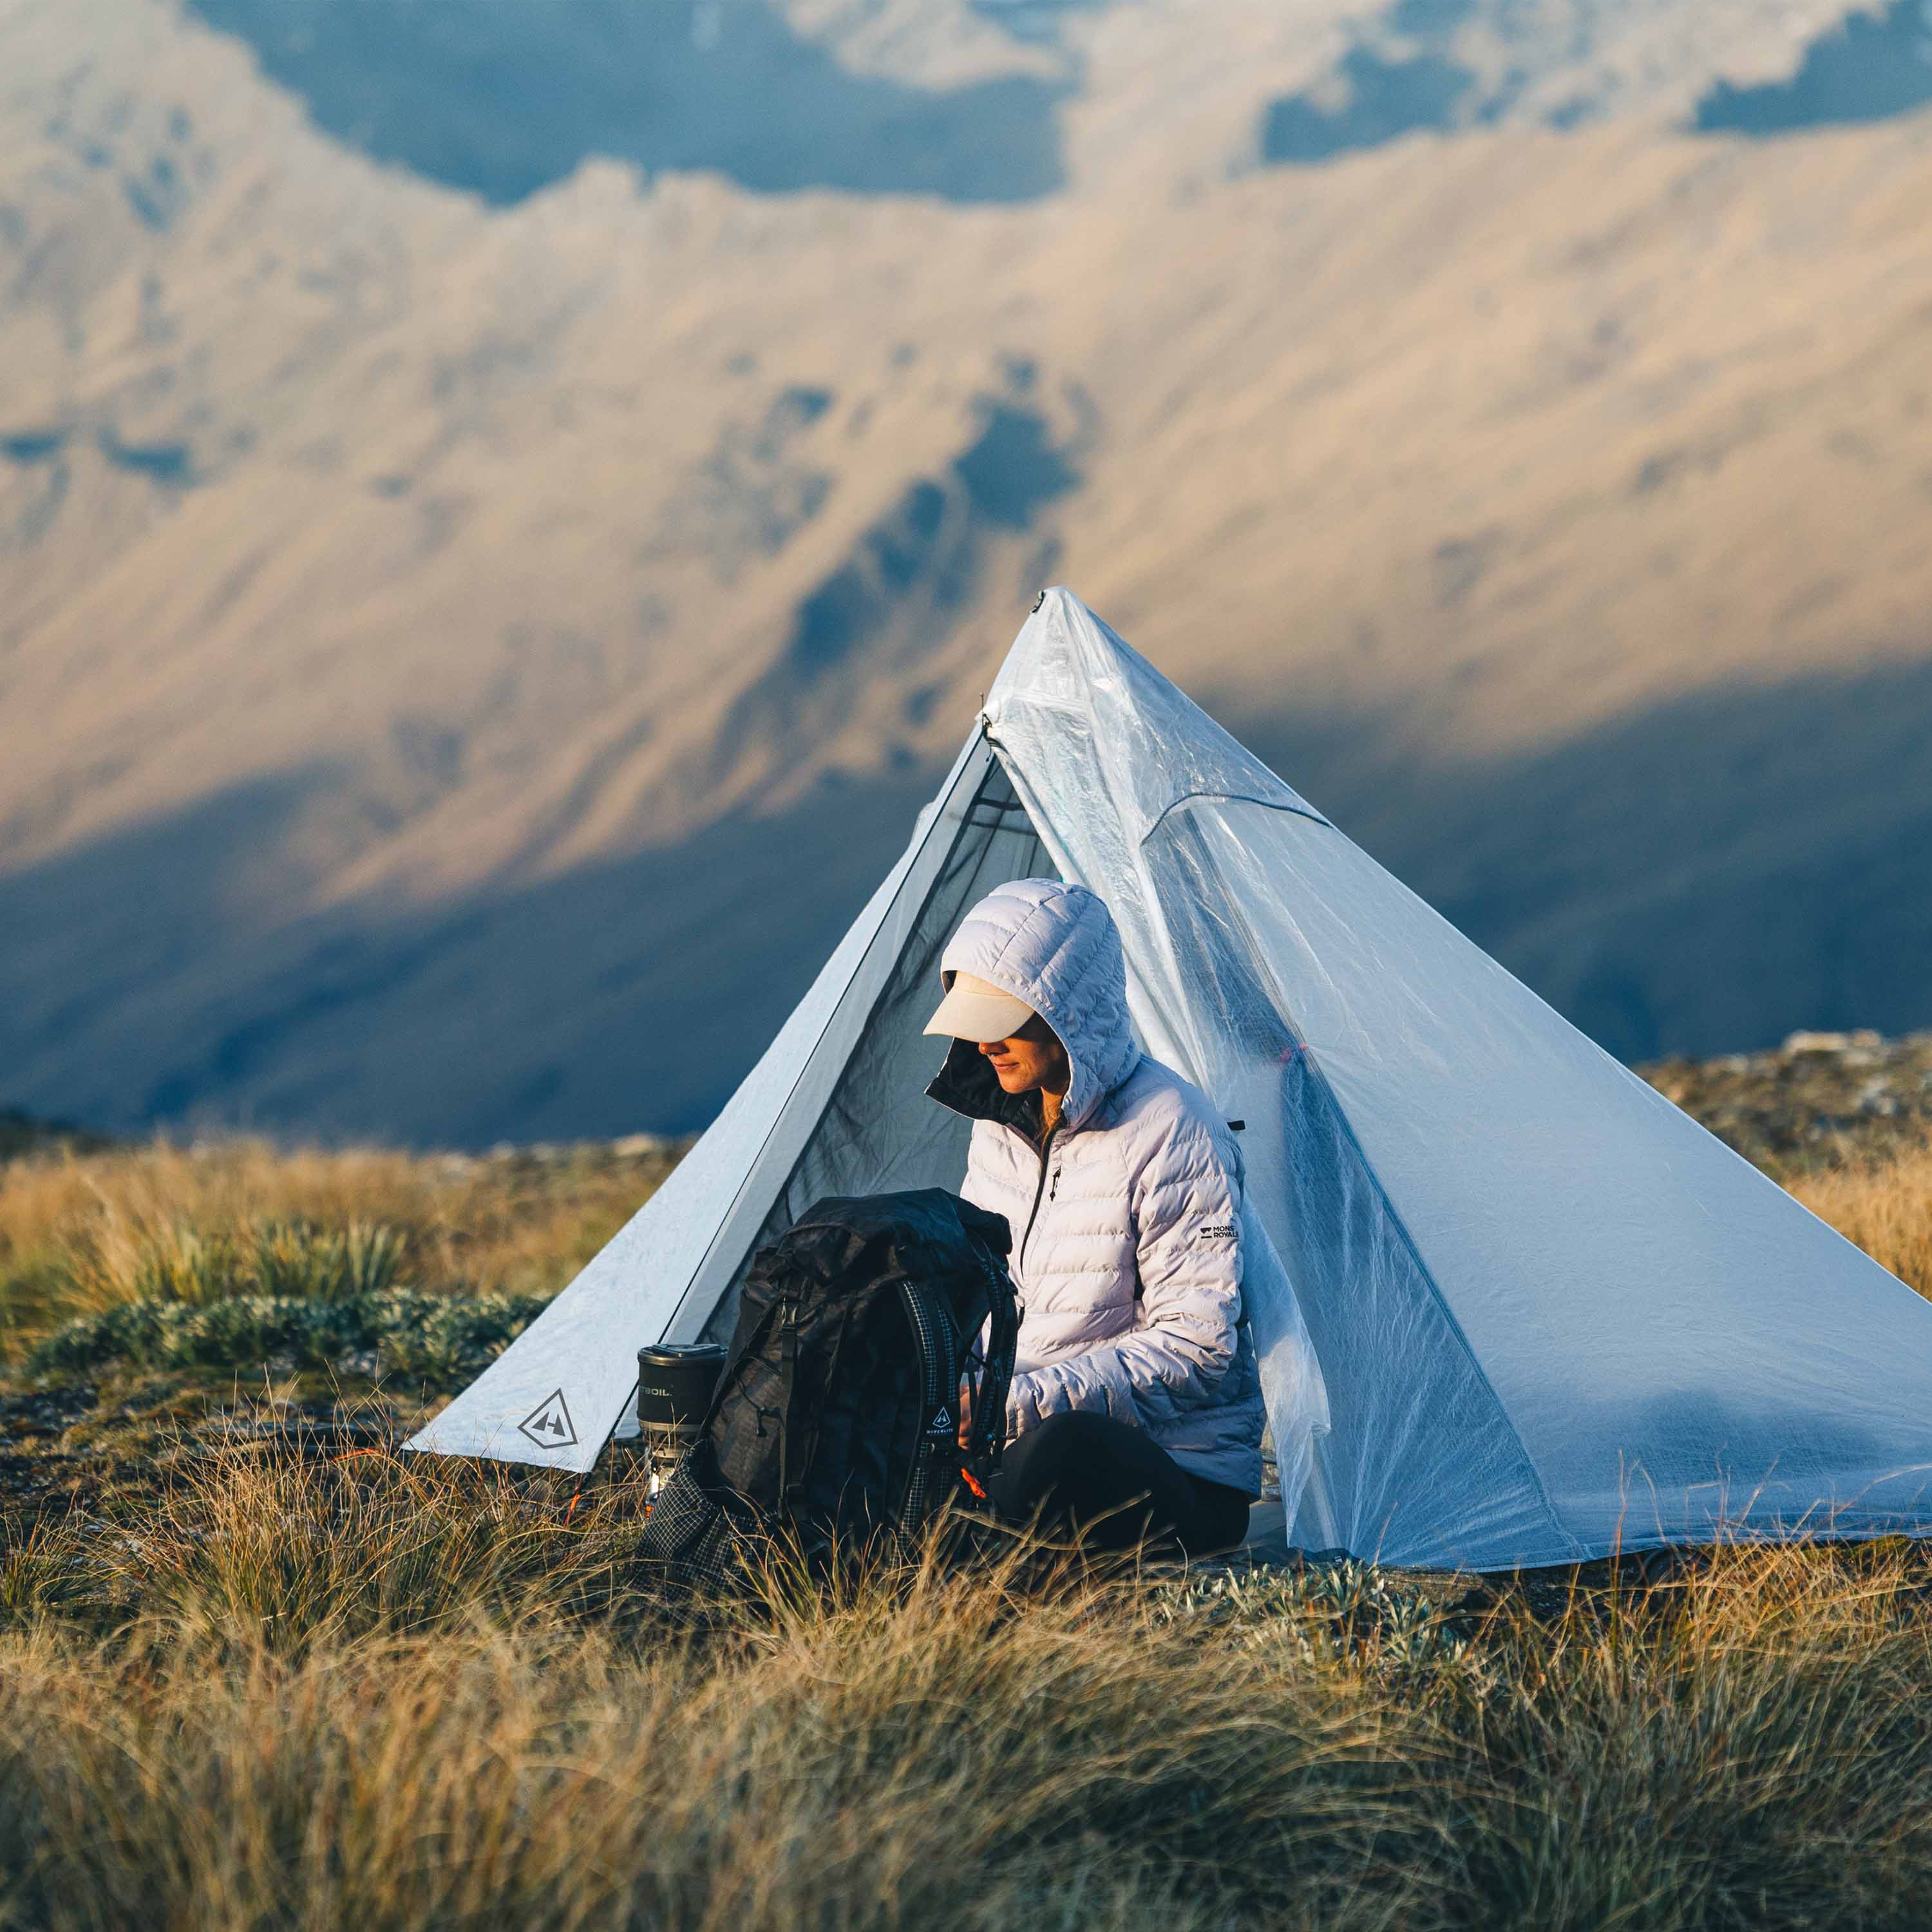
965, 1415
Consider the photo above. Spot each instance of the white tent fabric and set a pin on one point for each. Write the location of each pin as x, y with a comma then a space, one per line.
1537, 1313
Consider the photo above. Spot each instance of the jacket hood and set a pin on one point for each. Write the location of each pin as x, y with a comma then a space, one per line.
1056, 947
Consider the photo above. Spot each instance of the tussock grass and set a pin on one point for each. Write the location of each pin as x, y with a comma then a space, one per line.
1738, 1750
308, 1551
297, 1694
394, 1695
83, 1234
1885, 1208
283, 1690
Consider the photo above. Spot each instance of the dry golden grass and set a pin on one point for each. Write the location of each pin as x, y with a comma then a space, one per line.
227, 1725
82, 1232
1885, 1208
272, 1694
395, 1695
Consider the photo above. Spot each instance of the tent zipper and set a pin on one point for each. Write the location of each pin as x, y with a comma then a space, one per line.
1045, 1150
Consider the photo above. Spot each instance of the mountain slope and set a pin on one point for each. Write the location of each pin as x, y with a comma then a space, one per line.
464, 655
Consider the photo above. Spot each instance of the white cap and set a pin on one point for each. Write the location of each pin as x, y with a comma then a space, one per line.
974, 1010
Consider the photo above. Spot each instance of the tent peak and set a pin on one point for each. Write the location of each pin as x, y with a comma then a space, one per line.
1149, 744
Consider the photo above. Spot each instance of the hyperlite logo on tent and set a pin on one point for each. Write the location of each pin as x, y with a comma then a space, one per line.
548, 1425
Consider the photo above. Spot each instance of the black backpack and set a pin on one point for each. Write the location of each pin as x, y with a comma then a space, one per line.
835, 1416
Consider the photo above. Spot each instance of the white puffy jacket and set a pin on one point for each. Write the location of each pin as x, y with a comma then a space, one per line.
1126, 1241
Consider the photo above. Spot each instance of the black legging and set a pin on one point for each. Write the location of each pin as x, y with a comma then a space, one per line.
1115, 1486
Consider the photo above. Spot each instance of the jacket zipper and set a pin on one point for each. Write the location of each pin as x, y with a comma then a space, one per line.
1045, 1152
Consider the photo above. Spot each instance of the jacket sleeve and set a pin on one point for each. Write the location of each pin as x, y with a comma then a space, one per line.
1187, 1206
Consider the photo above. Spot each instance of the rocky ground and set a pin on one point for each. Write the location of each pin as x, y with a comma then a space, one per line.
1821, 1100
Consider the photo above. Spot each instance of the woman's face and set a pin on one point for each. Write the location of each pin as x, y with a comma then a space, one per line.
1032, 1060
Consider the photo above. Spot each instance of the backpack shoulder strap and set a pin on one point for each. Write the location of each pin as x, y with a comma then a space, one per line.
937, 1342
996, 1374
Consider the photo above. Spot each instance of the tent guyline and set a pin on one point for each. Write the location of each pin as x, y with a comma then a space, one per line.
1511, 1306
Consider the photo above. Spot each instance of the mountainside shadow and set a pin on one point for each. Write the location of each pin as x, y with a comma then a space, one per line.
1387, 100
1866, 68
626, 994
502, 98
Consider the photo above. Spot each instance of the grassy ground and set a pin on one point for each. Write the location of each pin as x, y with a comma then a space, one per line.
82, 1235
155, 1300
254, 1677
315, 1693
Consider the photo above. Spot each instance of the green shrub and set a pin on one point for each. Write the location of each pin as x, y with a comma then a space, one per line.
436, 1339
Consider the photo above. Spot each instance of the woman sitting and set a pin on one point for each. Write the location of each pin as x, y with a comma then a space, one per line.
1135, 1407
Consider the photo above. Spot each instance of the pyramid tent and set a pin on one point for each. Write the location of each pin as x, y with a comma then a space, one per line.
1513, 1307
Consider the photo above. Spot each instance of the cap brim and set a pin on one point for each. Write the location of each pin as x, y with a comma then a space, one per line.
976, 1016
